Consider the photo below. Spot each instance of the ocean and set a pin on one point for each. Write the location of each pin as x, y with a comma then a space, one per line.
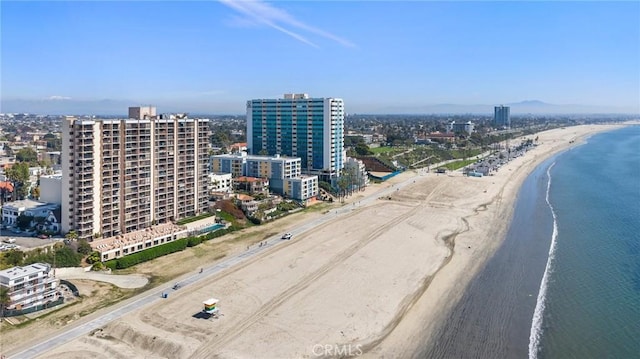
565, 283
592, 301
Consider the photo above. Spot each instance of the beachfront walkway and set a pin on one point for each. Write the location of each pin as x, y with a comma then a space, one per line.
123, 281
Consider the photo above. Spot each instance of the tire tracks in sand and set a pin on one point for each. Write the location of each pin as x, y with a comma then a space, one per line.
209, 349
410, 301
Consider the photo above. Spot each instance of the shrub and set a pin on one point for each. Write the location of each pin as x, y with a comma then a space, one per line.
112, 264
84, 247
193, 241
151, 253
94, 257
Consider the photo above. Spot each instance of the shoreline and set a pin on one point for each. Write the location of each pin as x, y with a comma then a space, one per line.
435, 306
366, 279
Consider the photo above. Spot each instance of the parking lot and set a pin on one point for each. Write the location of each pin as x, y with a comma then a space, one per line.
24, 241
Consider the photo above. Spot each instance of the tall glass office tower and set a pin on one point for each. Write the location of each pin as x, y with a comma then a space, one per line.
299, 126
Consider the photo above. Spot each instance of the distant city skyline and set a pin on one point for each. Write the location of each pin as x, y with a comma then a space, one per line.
380, 57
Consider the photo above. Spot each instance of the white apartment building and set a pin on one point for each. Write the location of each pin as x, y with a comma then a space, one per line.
461, 127
12, 210
356, 173
125, 175
220, 182
51, 188
29, 285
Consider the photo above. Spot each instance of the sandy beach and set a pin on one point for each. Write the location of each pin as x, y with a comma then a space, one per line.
371, 282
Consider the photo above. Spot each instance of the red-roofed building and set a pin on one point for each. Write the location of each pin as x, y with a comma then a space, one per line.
252, 185
442, 137
238, 147
6, 191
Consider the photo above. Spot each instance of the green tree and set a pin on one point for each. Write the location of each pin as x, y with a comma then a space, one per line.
84, 247
362, 149
13, 258
65, 256
27, 154
343, 184
71, 235
94, 257
5, 300
19, 175
24, 222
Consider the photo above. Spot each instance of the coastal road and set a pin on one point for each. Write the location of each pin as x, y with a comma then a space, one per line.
155, 295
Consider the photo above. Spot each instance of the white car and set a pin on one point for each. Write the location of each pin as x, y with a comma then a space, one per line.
287, 236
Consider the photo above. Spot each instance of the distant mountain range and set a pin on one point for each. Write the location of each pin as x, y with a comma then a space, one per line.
517, 108
63, 106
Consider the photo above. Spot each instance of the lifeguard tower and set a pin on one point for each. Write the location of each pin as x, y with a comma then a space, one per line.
211, 307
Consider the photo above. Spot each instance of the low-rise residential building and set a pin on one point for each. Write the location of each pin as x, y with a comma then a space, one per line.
461, 127
441, 137
6, 191
252, 185
123, 244
30, 285
51, 223
247, 203
284, 174
220, 182
229, 163
356, 173
301, 188
238, 147
12, 210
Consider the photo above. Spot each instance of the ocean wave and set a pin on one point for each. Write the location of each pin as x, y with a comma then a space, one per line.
536, 323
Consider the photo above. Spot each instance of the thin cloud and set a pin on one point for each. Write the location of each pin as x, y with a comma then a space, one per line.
279, 19
58, 98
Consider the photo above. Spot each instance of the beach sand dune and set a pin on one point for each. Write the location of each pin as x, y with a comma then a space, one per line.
377, 279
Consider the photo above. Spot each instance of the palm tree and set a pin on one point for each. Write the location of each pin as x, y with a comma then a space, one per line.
72, 235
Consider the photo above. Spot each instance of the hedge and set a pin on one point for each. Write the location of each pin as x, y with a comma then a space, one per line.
147, 254
193, 241
164, 249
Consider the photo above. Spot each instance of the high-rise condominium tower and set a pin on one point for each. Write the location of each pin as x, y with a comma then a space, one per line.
299, 126
125, 175
501, 116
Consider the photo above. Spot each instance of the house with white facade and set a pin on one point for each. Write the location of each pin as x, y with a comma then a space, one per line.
12, 210
220, 182
30, 285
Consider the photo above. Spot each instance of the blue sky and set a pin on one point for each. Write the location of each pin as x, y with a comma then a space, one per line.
379, 56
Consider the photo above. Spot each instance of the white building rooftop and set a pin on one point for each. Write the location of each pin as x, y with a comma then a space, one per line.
19, 272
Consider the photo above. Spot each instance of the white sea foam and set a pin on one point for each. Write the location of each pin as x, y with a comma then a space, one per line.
536, 323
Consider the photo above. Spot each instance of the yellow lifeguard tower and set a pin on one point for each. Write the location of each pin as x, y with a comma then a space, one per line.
211, 306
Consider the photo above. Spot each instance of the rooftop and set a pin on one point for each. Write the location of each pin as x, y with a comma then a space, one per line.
19, 272
136, 237
249, 179
29, 204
